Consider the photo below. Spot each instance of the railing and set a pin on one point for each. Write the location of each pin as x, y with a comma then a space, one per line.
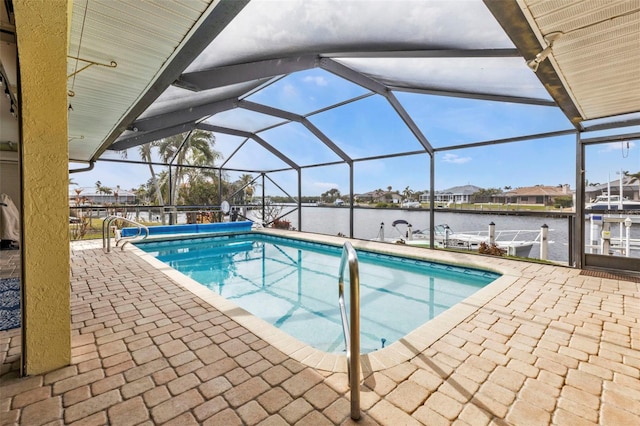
106, 232
351, 338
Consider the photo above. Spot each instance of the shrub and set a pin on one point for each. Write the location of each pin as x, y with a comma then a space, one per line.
281, 224
492, 250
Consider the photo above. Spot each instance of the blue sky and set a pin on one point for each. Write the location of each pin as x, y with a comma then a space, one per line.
370, 127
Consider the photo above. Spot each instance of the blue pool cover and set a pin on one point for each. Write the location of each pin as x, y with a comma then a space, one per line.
196, 228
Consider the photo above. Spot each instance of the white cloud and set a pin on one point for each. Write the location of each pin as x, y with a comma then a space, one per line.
453, 158
317, 80
289, 90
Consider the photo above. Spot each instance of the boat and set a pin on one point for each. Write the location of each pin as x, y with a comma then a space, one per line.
612, 202
411, 205
513, 242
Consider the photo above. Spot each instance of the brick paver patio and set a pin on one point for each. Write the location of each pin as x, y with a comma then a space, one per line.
555, 347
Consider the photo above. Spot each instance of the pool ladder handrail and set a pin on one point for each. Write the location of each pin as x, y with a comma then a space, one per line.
106, 237
352, 342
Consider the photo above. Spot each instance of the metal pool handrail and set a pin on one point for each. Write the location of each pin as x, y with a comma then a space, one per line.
106, 237
352, 342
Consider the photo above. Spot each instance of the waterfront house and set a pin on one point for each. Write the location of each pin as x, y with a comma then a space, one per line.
457, 194
537, 195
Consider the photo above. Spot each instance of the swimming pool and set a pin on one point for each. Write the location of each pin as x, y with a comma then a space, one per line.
292, 284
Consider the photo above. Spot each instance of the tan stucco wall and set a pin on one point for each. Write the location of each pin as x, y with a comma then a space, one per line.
41, 27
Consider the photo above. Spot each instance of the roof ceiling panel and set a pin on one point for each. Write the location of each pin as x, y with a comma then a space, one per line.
375, 45
130, 35
175, 99
597, 51
496, 76
286, 28
242, 119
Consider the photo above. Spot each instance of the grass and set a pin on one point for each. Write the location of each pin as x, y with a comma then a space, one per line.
93, 230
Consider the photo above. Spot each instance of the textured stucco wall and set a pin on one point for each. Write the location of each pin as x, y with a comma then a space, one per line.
41, 28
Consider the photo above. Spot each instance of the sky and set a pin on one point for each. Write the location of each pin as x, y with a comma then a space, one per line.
370, 127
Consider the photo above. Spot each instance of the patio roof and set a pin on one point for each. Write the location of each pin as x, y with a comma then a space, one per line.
167, 68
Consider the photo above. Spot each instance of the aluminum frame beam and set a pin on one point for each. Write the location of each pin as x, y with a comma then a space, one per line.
474, 95
263, 109
222, 14
224, 76
258, 139
427, 53
508, 140
186, 115
136, 139
377, 87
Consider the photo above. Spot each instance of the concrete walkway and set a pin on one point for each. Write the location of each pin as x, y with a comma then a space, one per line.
554, 347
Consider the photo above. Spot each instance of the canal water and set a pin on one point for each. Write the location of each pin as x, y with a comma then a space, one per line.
367, 221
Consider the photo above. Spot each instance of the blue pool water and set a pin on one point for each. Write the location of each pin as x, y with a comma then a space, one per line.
293, 285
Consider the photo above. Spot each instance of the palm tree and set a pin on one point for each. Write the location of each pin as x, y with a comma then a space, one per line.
246, 181
197, 150
407, 193
145, 155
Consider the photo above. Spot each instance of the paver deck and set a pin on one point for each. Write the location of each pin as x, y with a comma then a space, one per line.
552, 347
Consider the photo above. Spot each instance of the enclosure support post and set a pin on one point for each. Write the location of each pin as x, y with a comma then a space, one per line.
263, 205
351, 200
299, 199
171, 222
220, 193
432, 199
577, 237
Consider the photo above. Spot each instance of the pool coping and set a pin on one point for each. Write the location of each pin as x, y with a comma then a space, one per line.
396, 353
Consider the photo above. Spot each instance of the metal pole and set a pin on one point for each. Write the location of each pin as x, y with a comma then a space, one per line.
299, 199
351, 337
627, 225
220, 194
432, 199
544, 241
578, 235
492, 233
606, 238
354, 380
264, 222
351, 200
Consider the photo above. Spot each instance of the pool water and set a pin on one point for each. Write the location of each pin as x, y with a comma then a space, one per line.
293, 285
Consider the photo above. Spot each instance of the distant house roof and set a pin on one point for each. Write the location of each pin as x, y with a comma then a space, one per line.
91, 192
462, 190
540, 190
614, 185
